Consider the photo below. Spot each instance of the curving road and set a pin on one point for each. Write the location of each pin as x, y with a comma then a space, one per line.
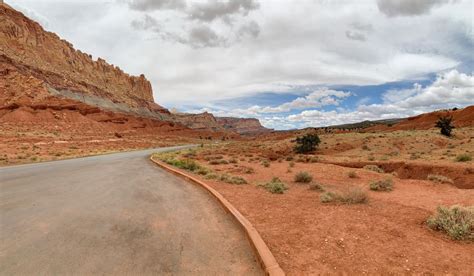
114, 214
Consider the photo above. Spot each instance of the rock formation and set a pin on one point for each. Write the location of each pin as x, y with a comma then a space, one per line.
30, 54
242, 125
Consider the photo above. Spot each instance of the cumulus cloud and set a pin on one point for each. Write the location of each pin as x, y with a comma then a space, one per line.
450, 89
204, 34
394, 8
251, 29
215, 9
146, 23
149, 5
355, 35
273, 48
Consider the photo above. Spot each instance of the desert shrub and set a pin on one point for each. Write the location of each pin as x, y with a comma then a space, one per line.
463, 158
291, 164
214, 162
307, 143
328, 197
248, 170
303, 177
456, 221
233, 161
202, 171
444, 123
439, 179
374, 168
289, 158
265, 163
231, 179
211, 176
382, 185
352, 174
316, 187
185, 164
354, 195
314, 159
275, 186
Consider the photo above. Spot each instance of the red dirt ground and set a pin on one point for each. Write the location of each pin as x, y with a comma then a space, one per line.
388, 235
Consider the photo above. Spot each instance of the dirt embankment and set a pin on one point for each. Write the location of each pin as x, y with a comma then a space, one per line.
462, 176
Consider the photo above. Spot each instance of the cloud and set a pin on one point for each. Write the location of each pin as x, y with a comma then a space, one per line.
214, 9
203, 36
449, 89
149, 5
146, 23
355, 36
393, 8
251, 29
301, 44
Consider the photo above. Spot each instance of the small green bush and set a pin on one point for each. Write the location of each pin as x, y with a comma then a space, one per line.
354, 195
463, 158
456, 221
374, 168
303, 177
382, 185
445, 125
232, 179
275, 186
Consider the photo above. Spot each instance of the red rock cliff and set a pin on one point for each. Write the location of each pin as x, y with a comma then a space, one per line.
25, 47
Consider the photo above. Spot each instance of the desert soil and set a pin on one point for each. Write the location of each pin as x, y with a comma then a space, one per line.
387, 235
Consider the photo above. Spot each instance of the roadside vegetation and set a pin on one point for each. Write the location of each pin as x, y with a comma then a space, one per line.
456, 221
354, 195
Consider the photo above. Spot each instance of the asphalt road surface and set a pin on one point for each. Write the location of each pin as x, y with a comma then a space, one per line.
114, 214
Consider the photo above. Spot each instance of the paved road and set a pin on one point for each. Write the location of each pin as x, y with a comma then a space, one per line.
114, 214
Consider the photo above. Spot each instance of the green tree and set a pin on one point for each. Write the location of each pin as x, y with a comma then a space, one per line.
445, 125
307, 143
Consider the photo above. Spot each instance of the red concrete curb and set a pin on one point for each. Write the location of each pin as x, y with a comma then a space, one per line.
265, 256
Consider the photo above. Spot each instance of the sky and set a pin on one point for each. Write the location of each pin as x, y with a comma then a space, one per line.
289, 63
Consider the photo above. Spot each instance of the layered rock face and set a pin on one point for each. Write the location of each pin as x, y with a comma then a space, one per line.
202, 121
242, 125
207, 121
28, 52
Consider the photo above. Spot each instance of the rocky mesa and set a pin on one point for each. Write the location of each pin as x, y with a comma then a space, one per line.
242, 125
207, 121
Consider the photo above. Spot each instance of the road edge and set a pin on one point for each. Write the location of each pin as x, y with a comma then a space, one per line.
264, 255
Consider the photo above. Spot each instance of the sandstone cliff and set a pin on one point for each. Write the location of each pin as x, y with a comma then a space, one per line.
202, 121
29, 53
242, 125
207, 121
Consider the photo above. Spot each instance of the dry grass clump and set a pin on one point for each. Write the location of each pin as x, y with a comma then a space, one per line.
316, 187
354, 195
439, 179
303, 177
265, 163
275, 186
352, 174
232, 179
463, 158
385, 185
374, 168
456, 221
218, 162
